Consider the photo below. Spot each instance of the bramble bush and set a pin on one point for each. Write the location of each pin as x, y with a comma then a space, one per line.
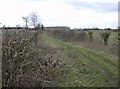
27, 62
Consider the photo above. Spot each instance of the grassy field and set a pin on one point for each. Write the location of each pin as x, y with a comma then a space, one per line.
41, 59
84, 67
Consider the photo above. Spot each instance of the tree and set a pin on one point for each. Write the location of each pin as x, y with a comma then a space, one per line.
105, 37
34, 19
26, 19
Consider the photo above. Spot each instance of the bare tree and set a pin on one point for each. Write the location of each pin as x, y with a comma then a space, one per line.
26, 19
34, 19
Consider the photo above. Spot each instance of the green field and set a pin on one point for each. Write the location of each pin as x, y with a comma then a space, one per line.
84, 67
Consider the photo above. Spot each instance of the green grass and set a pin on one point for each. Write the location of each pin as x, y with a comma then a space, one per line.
84, 67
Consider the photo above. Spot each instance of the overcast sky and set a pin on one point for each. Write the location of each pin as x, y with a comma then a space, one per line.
71, 13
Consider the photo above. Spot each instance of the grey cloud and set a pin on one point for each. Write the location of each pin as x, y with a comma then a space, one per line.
108, 7
97, 6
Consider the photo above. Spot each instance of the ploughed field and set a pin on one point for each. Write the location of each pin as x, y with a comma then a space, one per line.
55, 59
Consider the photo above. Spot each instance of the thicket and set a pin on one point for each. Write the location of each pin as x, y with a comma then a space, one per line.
95, 40
81, 36
76, 36
26, 62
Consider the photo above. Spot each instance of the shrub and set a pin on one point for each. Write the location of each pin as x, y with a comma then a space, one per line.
90, 34
105, 37
25, 63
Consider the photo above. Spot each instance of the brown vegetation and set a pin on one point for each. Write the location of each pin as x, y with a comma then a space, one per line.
25, 63
28, 61
87, 39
